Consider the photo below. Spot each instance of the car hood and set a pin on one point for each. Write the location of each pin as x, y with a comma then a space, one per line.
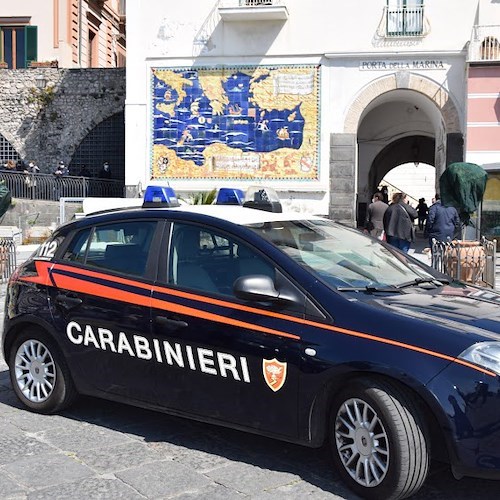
458, 306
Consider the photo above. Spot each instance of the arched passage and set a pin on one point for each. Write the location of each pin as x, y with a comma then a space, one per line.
398, 118
404, 80
105, 142
407, 150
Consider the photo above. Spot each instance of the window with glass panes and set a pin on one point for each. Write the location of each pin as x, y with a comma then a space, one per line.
18, 45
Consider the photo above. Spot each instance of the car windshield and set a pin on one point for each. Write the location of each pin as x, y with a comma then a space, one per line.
340, 256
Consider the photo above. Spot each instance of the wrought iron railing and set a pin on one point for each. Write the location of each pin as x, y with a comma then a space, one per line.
7, 258
249, 3
50, 187
257, 3
469, 261
405, 21
485, 43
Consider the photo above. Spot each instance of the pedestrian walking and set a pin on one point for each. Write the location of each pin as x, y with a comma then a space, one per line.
105, 172
375, 216
422, 210
84, 171
20, 165
385, 194
60, 172
443, 223
398, 222
10, 166
30, 180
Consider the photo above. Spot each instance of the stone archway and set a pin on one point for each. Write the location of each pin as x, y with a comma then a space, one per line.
344, 146
104, 142
404, 80
48, 124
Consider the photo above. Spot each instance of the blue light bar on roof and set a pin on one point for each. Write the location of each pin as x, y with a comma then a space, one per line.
230, 196
262, 198
160, 196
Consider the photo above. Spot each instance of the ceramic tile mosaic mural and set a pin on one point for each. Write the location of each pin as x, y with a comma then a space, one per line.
242, 122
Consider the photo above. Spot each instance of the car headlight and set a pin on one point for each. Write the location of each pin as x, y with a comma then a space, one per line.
485, 354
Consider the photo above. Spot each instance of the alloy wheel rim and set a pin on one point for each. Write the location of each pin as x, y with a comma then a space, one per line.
362, 442
35, 371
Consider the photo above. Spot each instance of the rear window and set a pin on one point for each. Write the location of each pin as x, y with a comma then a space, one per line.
119, 247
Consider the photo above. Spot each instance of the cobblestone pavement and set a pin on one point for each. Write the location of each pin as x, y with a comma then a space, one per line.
99, 449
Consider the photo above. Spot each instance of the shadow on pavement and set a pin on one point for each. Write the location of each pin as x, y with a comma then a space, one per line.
184, 440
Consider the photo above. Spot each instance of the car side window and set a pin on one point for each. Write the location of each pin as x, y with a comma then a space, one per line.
120, 247
78, 247
204, 260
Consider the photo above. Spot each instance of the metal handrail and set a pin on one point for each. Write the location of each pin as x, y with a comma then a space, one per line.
51, 187
405, 21
249, 3
399, 190
7, 258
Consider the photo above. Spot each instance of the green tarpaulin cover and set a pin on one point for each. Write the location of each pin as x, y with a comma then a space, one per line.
5, 199
462, 186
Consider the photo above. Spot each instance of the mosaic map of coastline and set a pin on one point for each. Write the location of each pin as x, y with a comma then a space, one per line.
259, 122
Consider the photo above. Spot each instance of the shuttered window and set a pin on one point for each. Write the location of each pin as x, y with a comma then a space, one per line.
19, 45
31, 37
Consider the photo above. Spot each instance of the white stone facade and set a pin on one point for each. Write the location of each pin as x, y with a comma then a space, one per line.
384, 100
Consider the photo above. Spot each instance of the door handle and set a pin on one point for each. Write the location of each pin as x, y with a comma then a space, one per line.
68, 301
166, 321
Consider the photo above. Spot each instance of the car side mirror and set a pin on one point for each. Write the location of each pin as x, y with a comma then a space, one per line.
258, 287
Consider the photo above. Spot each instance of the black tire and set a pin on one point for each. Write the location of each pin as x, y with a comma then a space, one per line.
39, 374
393, 453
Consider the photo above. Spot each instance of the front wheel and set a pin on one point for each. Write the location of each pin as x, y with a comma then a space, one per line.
39, 374
379, 440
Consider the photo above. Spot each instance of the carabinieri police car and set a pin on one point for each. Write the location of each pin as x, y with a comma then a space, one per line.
285, 325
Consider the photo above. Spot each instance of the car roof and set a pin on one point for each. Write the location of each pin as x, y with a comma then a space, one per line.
242, 215
235, 214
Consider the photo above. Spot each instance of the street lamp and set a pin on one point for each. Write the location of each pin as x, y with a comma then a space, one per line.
40, 82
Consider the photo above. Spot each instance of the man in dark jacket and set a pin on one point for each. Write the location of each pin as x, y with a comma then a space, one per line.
442, 222
398, 222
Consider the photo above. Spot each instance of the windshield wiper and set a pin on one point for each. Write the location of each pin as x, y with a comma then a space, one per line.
419, 281
368, 288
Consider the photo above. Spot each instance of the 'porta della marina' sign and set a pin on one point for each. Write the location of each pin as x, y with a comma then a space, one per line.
391, 65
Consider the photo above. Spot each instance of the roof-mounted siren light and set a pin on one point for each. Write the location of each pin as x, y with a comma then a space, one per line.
160, 196
262, 198
230, 196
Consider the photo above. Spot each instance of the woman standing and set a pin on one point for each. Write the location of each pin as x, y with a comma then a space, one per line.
398, 222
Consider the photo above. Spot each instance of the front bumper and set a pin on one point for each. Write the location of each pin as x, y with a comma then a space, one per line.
469, 407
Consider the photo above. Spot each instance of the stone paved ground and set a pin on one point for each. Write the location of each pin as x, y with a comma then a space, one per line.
99, 449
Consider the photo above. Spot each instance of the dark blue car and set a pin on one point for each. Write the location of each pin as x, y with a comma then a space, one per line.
284, 325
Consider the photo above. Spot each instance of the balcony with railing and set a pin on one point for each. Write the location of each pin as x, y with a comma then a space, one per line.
484, 45
253, 10
405, 21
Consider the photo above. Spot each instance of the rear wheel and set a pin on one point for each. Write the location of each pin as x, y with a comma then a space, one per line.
379, 440
39, 374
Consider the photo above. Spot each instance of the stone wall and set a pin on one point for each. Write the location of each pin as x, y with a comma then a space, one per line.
48, 125
34, 220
